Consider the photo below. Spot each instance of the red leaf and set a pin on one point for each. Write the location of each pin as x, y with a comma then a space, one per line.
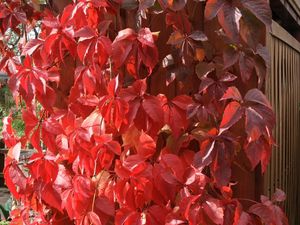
14, 177
246, 64
173, 163
214, 210
278, 196
244, 219
30, 120
43, 167
198, 36
32, 46
176, 113
145, 4
35, 139
8, 133
114, 147
251, 29
261, 9
132, 49
146, 146
31, 80
83, 187
254, 123
203, 69
134, 164
94, 123
228, 77
93, 48
229, 17
263, 52
145, 111
63, 179
212, 8
104, 205
85, 33
50, 196
125, 216
14, 152
258, 150
89, 82
256, 96
232, 114
232, 93
280, 217
174, 5
157, 214
92, 219
230, 55
153, 108
179, 21
52, 126
206, 82
113, 108
264, 212
221, 166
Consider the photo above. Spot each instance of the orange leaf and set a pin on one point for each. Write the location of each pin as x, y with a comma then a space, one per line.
199, 54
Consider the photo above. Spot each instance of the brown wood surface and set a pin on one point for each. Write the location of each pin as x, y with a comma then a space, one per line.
283, 90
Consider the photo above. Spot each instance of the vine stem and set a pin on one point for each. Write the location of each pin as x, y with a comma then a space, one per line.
24, 25
25, 33
248, 200
110, 68
95, 192
241, 167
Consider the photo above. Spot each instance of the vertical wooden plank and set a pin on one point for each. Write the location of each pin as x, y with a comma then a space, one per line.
293, 194
295, 78
269, 91
281, 140
291, 103
288, 127
295, 103
298, 153
288, 117
296, 126
275, 75
284, 112
277, 116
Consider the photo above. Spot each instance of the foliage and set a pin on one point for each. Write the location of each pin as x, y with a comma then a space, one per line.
110, 148
7, 106
5, 209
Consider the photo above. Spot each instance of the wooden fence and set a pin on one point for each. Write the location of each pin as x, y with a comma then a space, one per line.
283, 89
